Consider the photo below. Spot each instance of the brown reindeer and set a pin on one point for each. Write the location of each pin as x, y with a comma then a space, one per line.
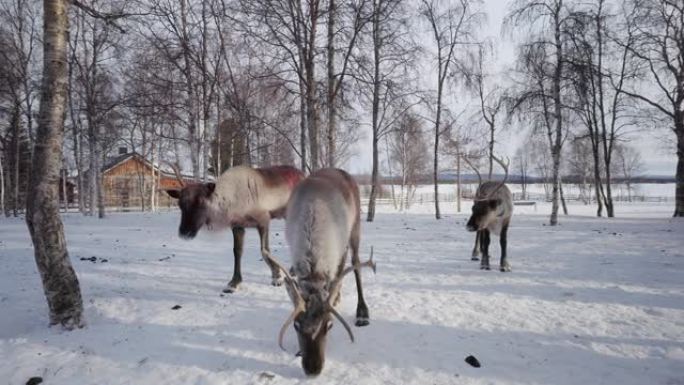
492, 212
322, 225
242, 197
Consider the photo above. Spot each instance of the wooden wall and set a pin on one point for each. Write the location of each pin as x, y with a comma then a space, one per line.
123, 186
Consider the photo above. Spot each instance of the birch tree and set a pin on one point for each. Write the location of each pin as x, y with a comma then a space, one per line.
659, 49
60, 283
452, 28
383, 70
542, 58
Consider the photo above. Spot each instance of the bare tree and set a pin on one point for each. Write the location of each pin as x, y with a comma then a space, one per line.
521, 162
345, 20
451, 27
600, 66
179, 35
19, 29
290, 29
491, 99
409, 155
47, 231
382, 72
628, 166
659, 49
542, 61
92, 45
580, 167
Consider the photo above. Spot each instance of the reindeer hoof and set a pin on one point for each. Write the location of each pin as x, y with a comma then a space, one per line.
231, 288
505, 268
362, 321
277, 281
474, 258
485, 267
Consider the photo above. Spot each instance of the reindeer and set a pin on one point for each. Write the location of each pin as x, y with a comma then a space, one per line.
242, 197
322, 224
492, 212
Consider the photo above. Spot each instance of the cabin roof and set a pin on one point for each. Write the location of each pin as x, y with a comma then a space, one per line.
114, 161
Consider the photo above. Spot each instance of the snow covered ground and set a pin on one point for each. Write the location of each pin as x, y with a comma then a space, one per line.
592, 301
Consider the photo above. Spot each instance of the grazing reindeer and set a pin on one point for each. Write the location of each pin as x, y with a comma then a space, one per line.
322, 224
242, 197
492, 212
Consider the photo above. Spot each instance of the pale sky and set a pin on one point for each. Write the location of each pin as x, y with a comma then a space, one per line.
656, 146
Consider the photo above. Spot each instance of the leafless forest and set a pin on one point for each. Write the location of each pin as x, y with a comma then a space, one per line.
208, 84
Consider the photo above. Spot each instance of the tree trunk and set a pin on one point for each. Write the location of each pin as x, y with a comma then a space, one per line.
491, 150
312, 117
2, 187
94, 168
679, 192
60, 283
16, 144
190, 104
375, 116
64, 186
597, 179
374, 182
389, 173
100, 189
610, 211
332, 118
302, 127
556, 143
458, 177
562, 198
435, 171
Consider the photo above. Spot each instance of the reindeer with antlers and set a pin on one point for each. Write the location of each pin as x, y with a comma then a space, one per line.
321, 226
492, 212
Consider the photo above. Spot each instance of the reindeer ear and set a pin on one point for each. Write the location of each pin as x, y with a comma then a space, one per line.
173, 193
210, 188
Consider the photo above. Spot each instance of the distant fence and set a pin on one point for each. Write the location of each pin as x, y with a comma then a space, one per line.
422, 198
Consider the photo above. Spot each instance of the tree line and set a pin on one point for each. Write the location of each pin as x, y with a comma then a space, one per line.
215, 83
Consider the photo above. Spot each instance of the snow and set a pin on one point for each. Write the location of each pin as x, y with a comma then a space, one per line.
592, 301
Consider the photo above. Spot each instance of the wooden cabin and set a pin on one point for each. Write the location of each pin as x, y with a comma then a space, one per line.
128, 182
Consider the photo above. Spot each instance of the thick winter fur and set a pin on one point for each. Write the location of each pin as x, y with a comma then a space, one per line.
492, 212
242, 197
323, 222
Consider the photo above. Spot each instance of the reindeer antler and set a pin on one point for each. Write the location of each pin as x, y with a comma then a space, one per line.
295, 297
503, 182
479, 176
504, 166
336, 285
299, 303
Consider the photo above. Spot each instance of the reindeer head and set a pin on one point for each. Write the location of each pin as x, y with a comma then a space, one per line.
312, 317
192, 200
312, 326
484, 213
486, 209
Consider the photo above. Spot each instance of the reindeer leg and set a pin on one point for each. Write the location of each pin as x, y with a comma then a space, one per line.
276, 275
238, 242
362, 317
476, 248
504, 266
484, 247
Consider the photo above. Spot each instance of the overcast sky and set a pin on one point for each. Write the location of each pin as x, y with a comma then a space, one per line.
656, 146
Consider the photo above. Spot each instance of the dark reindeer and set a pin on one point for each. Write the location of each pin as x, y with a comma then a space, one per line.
242, 197
492, 212
322, 224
